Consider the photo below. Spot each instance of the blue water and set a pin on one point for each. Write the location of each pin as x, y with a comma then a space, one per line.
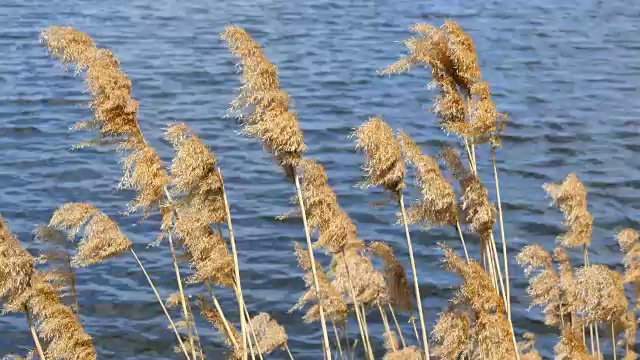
566, 72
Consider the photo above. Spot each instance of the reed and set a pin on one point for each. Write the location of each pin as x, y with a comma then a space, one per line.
364, 279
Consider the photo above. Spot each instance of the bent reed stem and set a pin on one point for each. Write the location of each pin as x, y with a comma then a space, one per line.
415, 275
325, 334
34, 333
356, 308
239, 295
227, 327
399, 329
335, 334
155, 291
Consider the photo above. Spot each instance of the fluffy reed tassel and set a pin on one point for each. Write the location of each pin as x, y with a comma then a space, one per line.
384, 165
464, 105
334, 306
211, 315
600, 294
491, 326
398, 286
571, 346
545, 288
452, 335
198, 193
22, 288
630, 246
571, 198
324, 214
267, 114
479, 212
351, 268
409, 353
115, 112
438, 204
527, 347
268, 333
101, 239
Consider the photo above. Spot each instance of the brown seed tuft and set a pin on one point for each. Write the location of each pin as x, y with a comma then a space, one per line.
571, 346
451, 332
409, 353
369, 286
398, 286
438, 204
267, 114
335, 228
211, 315
384, 165
629, 244
527, 347
115, 112
101, 239
599, 294
269, 334
571, 198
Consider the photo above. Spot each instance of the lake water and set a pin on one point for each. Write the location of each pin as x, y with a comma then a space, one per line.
567, 73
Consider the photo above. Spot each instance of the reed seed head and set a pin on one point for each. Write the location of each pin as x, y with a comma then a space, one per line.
115, 112
545, 287
452, 334
369, 286
267, 114
527, 347
101, 238
269, 334
384, 165
398, 286
213, 316
408, 353
571, 198
324, 214
332, 303
600, 294
571, 346
438, 204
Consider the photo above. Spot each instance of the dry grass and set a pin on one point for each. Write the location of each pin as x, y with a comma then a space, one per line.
362, 279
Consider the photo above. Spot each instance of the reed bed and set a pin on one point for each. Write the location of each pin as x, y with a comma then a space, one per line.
346, 277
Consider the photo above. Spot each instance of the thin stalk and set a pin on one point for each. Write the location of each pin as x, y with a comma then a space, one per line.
504, 242
195, 330
399, 330
34, 334
286, 347
227, 327
74, 293
183, 299
325, 334
253, 332
155, 291
597, 341
345, 333
383, 315
412, 320
464, 246
585, 254
366, 330
335, 333
239, 296
613, 342
356, 308
415, 276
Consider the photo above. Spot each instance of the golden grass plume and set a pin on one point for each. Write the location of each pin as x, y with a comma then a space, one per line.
571, 198
398, 286
269, 334
599, 294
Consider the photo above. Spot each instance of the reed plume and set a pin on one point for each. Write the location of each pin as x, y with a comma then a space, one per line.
266, 107
599, 294
527, 347
438, 204
491, 326
384, 165
398, 287
452, 335
630, 246
464, 105
266, 115
268, 333
115, 112
571, 346
229, 332
24, 289
571, 198
333, 304
355, 276
407, 353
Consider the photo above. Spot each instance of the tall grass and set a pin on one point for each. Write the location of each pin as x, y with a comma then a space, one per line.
365, 279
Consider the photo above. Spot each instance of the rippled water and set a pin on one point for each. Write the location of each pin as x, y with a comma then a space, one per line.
566, 72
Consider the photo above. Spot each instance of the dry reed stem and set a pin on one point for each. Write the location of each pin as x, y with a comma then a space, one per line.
166, 313
225, 324
325, 336
504, 242
398, 329
363, 315
337, 338
416, 286
34, 334
385, 322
